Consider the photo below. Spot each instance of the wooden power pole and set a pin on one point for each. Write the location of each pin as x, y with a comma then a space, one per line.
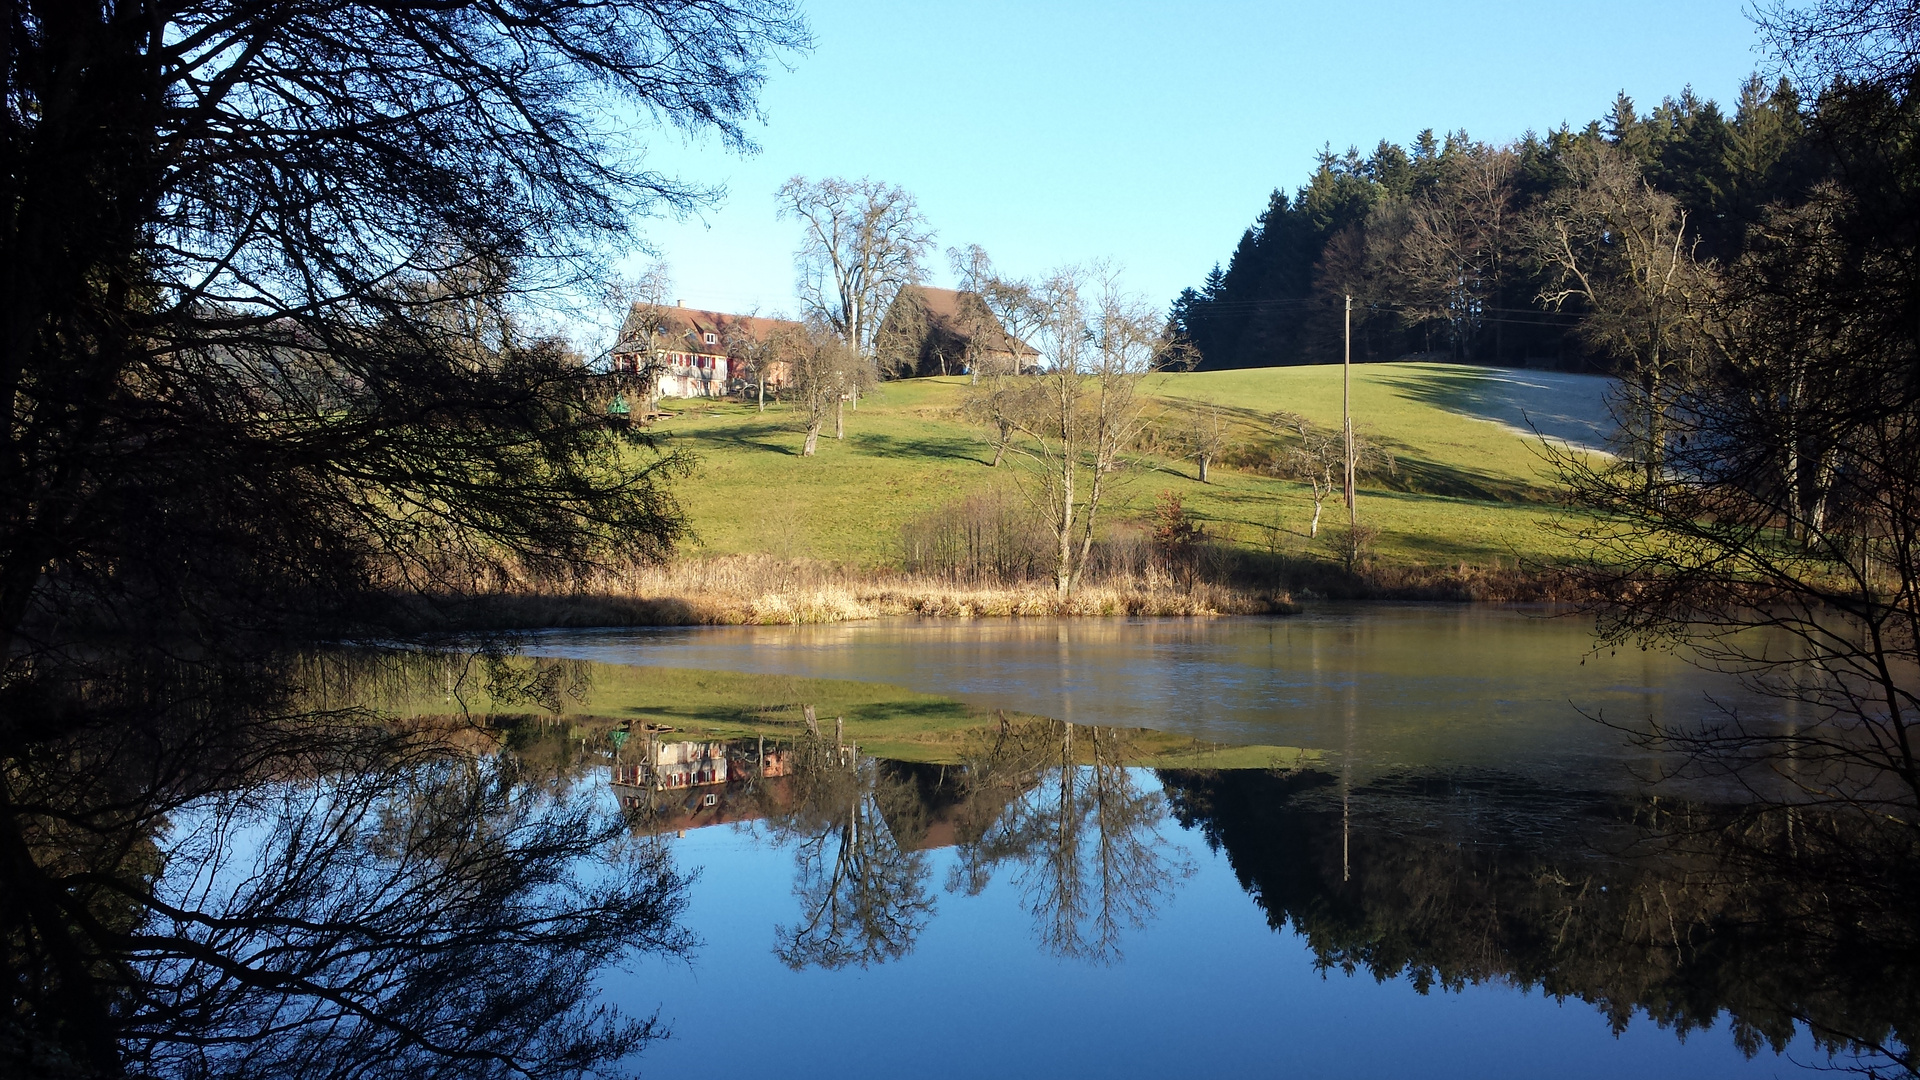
1346, 410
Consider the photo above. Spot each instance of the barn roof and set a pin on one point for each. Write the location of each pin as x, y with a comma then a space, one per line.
956, 313
686, 328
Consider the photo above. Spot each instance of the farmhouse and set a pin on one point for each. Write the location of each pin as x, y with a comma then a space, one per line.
930, 331
683, 352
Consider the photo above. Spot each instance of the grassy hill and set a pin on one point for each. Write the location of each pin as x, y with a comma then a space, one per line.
1464, 488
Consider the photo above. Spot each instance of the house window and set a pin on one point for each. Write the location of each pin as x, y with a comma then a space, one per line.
711, 800
713, 339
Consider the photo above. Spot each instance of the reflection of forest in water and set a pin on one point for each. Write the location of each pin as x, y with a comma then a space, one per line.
1686, 914
204, 878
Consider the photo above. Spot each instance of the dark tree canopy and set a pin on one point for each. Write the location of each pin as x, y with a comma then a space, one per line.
264, 267
267, 277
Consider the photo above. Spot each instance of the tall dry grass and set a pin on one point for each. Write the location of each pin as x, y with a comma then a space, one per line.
765, 590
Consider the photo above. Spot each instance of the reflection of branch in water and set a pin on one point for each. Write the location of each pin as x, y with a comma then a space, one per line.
1081, 838
197, 884
863, 900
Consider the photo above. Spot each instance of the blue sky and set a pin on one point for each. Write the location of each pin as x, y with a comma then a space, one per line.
1150, 134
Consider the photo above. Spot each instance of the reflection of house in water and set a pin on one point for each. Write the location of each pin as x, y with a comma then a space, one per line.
699, 784
691, 785
698, 764
697, 808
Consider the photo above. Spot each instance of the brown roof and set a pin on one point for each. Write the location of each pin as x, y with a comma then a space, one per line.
947, 311
686, 328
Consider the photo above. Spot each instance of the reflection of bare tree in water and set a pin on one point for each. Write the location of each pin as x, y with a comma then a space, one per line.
863, 899
1082, 837
199, 883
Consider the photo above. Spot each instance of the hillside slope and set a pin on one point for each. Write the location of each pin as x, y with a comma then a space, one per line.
1467, 484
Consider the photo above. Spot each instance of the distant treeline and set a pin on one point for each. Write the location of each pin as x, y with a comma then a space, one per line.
1436, 242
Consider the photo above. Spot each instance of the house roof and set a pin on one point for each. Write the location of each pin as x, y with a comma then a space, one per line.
686, 328
953, 312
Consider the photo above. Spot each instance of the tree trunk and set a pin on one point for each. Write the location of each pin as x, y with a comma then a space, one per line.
1204, 461
813, 439
1795, 494
1063, 564
999, 451
1656, 423
763, 393
840, 417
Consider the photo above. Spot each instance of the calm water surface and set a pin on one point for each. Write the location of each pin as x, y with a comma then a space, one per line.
1379, 687
1450, 893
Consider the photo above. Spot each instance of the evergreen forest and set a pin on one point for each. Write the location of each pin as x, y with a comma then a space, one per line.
1446, 245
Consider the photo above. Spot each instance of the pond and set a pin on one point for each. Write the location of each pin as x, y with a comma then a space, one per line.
1467, 876
1365, 841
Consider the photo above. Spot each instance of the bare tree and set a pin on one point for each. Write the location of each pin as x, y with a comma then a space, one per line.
1204, 436
1622, 250
756, 351
1846, 40
1450, 259
862, 241
642, 342
1319, 460
1782, 543
824, 372
1011, 311
1075, 424
1004, 312
221, 371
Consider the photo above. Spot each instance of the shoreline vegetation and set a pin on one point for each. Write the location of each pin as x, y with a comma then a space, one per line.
761, 590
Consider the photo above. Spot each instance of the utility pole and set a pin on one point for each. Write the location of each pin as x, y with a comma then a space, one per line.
1346, 409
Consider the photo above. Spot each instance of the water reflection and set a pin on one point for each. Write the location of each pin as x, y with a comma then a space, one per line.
245, 872
1053, 805
207, 873
1780, 921
1770, 917
1079, 839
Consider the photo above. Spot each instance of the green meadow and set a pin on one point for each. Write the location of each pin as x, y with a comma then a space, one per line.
1460, 489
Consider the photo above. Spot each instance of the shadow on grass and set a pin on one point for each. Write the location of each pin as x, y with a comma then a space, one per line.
768, 437
922, 713
1562, 406
926, 446
1415, 475
955, 448
1413, 472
